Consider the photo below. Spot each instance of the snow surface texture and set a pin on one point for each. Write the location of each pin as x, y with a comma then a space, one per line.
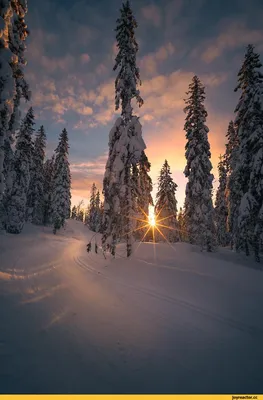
73, 322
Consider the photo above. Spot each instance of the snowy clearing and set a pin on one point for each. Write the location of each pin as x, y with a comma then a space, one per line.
168, 320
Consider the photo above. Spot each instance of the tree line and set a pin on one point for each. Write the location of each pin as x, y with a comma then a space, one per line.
237, 218
31, 188
38, 190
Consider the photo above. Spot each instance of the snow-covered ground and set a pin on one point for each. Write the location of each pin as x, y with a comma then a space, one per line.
168, 320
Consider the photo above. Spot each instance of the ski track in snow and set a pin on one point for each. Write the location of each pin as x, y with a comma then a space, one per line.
73, 322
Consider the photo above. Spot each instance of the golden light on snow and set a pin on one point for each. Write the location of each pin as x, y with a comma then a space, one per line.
151, 216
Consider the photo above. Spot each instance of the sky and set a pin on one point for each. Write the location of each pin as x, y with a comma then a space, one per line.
71, 50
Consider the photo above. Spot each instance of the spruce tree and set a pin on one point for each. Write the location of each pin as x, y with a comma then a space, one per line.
198, 202
37, 177
48, 190
247, 123
73, 212
13, 32
16, 209
232, 187
166, 204
254, 197
78, 210
181, 225
61, 183
92, 208
125, 139
221, 209
144, 197
249, 170
98, 212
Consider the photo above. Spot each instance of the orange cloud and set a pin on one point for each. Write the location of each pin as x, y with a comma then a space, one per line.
149, 63
83, 176
236, 35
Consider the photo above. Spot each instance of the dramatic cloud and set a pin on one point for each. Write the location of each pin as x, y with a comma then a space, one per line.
71, 53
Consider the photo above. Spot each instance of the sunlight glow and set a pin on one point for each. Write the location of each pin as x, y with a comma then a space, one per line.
151, 216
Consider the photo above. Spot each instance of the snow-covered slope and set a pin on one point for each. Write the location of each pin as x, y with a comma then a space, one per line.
170, 319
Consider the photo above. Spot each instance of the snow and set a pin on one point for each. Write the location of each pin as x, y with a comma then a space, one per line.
168, 320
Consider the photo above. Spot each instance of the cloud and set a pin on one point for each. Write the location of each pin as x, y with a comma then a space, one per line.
84, 175
149, 63
153, 14
235, 35
164, 94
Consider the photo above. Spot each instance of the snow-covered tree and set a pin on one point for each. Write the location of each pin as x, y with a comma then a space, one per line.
61, 183
221, 209
125, 139
37, 177
48, 189
16, 209
144, 197
13, 32
181, 225
98, 212
198, 203
166, 204
248, 174
248, 125
101, 216
232, 187
92, 208
253, 199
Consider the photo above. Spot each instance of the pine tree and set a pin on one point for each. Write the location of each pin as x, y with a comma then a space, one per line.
254, 196
81, 215
144, 199
181, 225
232, 188
48, 190
13, 32
221, 209
16, 210
79, 210
101, 216
86, 218
125, 139
198, 202
62, 182
74, 213
247, 123
98, 212
37, 177
92, 208
166, 204
35, 195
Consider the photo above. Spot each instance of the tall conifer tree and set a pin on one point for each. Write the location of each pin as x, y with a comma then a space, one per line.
166, 204
221, 210
198, 203
61, 183
16, 209
125, 139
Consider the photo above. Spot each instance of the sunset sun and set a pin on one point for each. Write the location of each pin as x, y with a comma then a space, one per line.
151, 216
